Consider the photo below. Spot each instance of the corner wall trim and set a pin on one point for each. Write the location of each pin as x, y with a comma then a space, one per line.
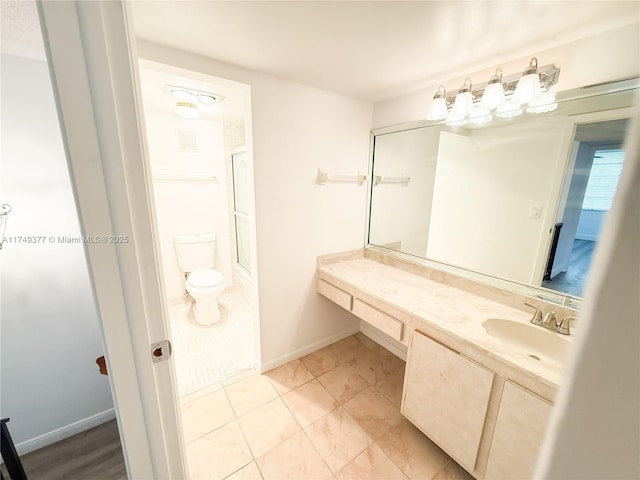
65, 432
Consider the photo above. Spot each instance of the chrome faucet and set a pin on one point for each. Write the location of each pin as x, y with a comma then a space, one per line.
550, 321
537, 315
564, 327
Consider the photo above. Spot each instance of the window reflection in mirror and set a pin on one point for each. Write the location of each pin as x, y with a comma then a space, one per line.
489, 199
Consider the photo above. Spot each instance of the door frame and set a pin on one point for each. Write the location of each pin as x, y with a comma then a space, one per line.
92, 59
560, 187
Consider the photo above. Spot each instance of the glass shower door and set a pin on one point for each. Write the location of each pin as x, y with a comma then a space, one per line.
241, 208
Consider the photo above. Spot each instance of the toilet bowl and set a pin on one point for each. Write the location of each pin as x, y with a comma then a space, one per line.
196, 256
205, 286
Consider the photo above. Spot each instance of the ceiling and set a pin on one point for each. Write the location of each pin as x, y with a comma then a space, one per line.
20, 31
373, 50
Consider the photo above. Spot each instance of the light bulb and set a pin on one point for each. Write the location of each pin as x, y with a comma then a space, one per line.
454, 120
438, 107
463, 104
509, 109
206, 99
480, 115
493, 96
543, 104
528, 86
183, 95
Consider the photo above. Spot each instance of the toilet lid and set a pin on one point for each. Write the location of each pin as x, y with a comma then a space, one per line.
205, 278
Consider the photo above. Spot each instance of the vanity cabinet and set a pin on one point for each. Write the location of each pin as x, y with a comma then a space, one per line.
520, 427
335, 294
487, 412
446, 395
380, 320
386, 322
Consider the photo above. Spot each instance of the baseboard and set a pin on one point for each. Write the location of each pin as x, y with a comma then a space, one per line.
394, 346
65, 432
178, 300
301, 352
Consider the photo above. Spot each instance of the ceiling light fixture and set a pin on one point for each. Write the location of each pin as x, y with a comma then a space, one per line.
187, 99
206, 99
183, 95
187, 109
502, 97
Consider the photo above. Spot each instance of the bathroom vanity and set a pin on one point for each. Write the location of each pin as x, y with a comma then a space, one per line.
480, 391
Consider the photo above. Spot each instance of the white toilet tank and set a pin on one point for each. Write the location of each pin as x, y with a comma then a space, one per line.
196, 251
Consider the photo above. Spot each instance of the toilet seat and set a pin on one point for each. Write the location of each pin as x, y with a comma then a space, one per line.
205, 281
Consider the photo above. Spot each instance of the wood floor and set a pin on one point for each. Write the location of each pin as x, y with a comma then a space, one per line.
95, 454
573, 280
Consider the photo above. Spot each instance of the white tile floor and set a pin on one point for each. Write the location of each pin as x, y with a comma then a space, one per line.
208, 355
333, 414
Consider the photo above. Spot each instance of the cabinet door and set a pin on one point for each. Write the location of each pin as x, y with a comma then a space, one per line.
520, 426
446, 396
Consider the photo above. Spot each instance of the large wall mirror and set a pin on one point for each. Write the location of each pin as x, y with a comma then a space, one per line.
520, 200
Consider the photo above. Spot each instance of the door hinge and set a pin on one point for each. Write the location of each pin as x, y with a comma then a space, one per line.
160, 351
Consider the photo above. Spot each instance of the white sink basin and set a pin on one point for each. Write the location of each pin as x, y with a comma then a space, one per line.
531, 340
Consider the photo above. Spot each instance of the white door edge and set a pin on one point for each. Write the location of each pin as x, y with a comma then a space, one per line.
92, 64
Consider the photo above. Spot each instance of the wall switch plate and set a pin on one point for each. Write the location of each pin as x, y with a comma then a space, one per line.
534, 211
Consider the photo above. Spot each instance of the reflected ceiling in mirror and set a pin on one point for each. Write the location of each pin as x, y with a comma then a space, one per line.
516, 199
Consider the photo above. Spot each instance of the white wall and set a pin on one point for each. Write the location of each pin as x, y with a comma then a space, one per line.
184, 206
487, 180
296, 130
609, 56
590, 225
50, 329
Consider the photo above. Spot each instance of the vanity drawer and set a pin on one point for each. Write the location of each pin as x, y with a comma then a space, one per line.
383, 322
336, 295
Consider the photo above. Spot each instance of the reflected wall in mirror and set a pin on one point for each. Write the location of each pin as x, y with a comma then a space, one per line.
520, 200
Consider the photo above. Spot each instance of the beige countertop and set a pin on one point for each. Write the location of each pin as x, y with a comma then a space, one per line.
455, 311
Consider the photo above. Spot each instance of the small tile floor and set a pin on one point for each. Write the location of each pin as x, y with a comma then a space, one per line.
207, 355
334, 414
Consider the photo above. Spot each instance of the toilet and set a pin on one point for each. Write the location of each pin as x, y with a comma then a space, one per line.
196, 254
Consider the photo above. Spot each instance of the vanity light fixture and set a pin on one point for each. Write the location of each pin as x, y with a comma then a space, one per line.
187, 109
464, 100
462, 106
479, 115
438, 109
543, 104
509, 109
493, 95
528, 87
502, 97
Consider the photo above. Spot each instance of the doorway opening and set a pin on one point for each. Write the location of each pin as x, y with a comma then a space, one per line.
202, 181
596, 162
